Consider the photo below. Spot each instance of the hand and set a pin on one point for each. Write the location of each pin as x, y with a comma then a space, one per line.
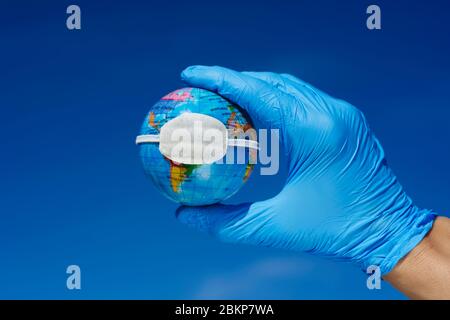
341, 200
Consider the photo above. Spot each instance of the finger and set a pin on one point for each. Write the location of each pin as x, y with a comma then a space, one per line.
260, 99
286, 82
294, 79
290, 85
243, 223
275, 80
303, 86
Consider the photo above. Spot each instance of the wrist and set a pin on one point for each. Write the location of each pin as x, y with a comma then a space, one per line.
424, 273
398, 234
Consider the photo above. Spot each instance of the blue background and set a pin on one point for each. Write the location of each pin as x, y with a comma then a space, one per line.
72, 187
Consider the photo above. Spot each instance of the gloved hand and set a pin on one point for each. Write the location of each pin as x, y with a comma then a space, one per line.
341, 199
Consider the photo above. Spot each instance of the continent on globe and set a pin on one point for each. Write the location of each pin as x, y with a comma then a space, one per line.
196, 184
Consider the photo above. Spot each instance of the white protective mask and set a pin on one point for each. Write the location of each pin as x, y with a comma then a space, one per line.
194, 138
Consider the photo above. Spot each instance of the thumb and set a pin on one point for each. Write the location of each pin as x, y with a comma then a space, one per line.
242, 223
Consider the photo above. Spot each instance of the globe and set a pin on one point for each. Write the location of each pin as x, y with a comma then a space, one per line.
196, 184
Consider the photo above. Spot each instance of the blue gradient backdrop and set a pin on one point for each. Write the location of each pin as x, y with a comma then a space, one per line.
72, 188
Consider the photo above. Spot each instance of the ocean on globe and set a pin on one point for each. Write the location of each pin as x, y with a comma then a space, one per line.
196, 184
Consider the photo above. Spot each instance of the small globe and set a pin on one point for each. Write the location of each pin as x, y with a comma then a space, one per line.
196, 184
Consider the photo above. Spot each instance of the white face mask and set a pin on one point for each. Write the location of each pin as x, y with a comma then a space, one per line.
194, 138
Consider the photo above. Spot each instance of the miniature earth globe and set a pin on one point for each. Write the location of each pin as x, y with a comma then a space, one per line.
196, 184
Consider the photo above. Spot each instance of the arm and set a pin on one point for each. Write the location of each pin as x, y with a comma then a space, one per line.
425, 272
341, 199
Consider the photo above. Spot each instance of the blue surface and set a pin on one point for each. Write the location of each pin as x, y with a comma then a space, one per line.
72, 186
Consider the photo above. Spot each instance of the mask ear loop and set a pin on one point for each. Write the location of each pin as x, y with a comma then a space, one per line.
147, 138
243, 143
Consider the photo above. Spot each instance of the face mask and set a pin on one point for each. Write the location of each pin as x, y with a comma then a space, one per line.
194, 138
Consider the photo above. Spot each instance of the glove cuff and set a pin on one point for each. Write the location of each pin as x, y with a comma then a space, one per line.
413, 226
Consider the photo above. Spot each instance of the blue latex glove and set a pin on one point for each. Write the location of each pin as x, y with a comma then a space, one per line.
341, 199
